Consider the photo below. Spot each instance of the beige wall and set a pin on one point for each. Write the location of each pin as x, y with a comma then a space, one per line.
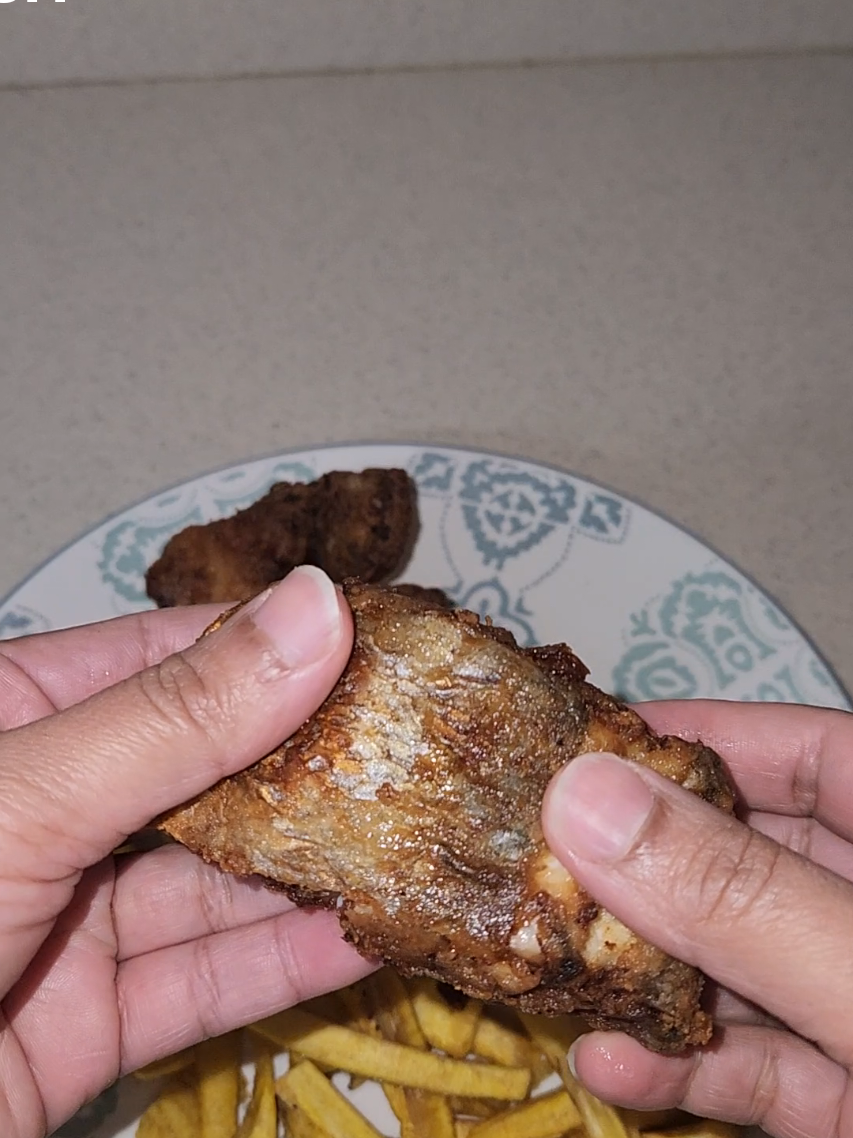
42, 41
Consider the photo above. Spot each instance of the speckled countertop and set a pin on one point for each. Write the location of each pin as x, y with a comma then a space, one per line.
641, 271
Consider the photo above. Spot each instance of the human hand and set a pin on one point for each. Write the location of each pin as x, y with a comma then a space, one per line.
764, 906
107, 965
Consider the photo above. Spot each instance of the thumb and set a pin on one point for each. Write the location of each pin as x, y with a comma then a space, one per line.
763, 921
74, 785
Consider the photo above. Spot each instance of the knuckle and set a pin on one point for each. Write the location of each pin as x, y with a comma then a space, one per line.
805, 780
183, 698
151, 645
215, 898
765, 1090
294, 986
799, 836
727, 880
206, 990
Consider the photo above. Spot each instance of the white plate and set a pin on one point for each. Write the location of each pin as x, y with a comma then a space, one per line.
652, 611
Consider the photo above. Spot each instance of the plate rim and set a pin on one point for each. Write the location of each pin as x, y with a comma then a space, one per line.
458, 448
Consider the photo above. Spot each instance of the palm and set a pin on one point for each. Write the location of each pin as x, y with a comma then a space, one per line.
138, 956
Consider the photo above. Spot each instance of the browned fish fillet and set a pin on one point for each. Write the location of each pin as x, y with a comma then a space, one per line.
434, 598
350, 524
410, 803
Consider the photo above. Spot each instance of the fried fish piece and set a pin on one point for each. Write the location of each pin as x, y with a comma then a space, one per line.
352, 524
410, 803
434, 598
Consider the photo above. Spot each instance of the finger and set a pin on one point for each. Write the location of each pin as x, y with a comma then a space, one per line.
808, 838
176, 996
170, 896
749, 1075
72, 786
83, 780
35, 671
760, 920
785, 759
63, 1010
726, 1007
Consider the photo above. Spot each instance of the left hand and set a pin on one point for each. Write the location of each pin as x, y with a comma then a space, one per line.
106, 964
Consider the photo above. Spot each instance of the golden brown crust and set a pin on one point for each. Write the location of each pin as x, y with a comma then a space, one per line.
410, 803
350, 524
435, 598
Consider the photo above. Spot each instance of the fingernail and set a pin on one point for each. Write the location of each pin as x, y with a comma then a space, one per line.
598, 804
301, 616
570, 1059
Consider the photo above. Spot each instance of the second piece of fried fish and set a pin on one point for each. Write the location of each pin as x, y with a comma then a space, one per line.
410, 803
350, 523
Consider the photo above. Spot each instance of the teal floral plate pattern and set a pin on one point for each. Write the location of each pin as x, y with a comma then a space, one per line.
551, 556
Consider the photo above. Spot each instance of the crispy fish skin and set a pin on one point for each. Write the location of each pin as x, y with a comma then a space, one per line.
411, 804
430, 596
349, 523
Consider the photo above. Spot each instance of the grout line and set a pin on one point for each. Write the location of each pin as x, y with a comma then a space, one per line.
736, 55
